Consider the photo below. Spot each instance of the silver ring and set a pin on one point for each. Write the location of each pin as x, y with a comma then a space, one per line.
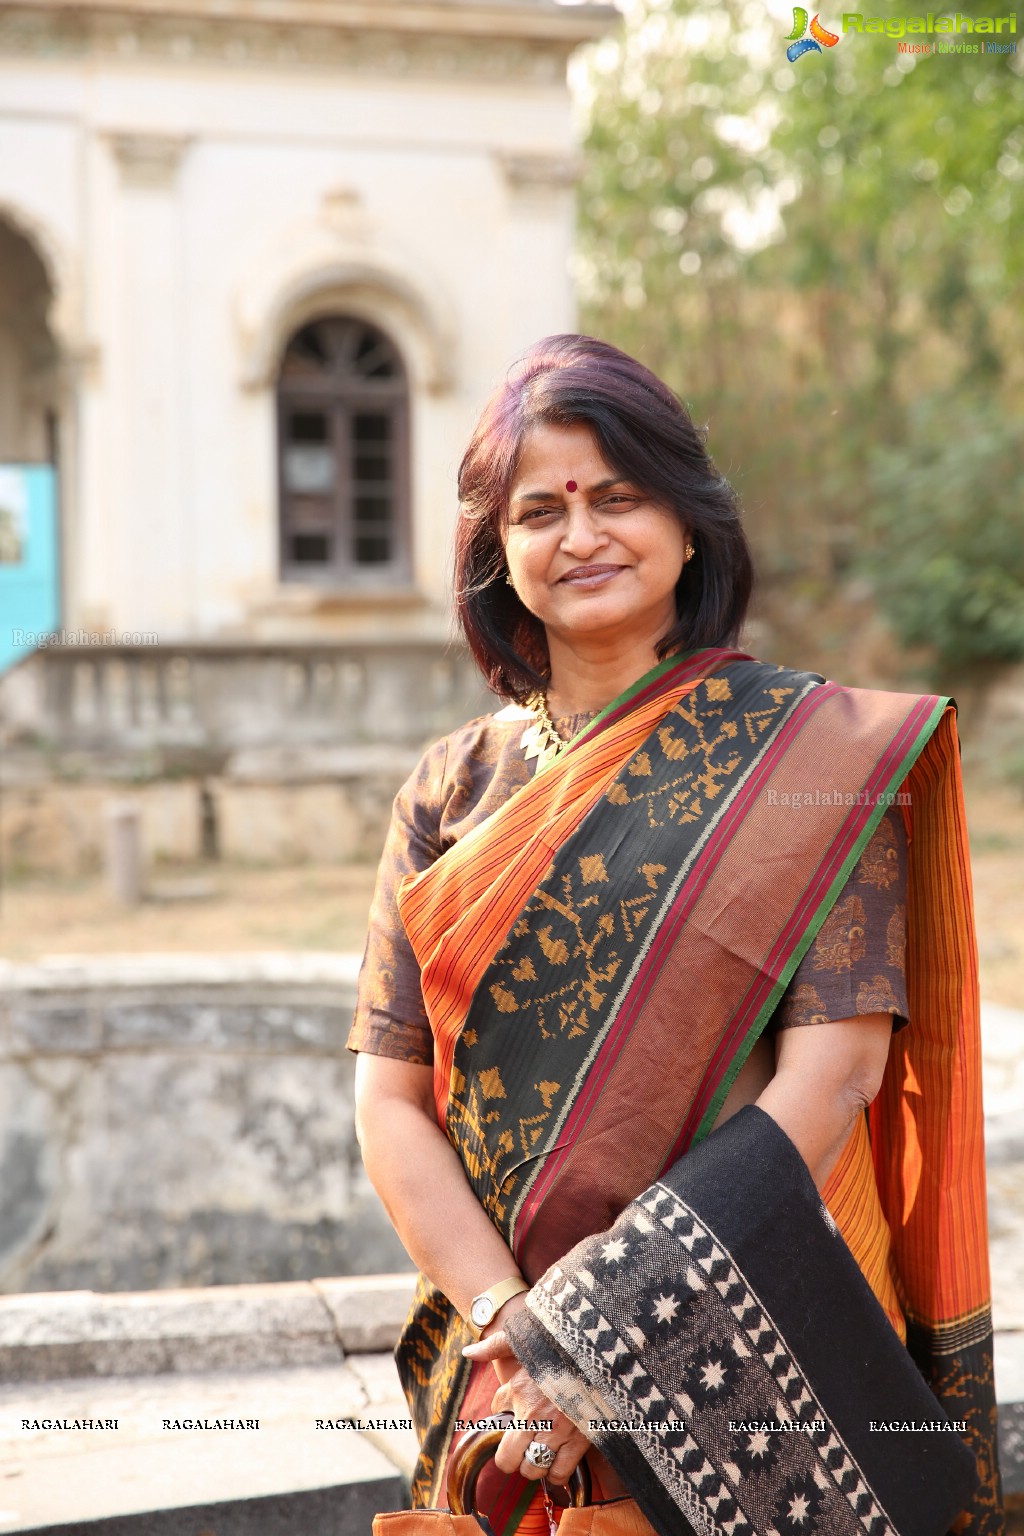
539, 1455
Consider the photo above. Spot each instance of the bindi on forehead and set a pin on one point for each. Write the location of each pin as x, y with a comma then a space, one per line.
570, 485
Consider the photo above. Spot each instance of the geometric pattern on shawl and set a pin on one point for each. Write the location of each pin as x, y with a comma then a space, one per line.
657, 1325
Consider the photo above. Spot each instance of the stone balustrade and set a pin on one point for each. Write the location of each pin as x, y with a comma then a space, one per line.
273, 754
201, 701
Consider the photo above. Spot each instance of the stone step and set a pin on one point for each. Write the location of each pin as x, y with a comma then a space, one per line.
267, 1470
47, 1336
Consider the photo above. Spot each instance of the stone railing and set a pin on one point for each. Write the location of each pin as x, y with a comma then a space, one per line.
274, 754
202, 701
172, 1120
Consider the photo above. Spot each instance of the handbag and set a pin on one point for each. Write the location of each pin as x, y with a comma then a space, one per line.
621, 1517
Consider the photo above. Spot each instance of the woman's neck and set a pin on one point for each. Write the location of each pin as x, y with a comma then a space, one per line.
585, 682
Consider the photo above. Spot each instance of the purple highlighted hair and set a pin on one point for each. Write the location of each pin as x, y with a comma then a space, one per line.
646, 435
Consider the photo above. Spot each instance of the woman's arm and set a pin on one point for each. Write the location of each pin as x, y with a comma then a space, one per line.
448, 1234
825, 1076
417, 1173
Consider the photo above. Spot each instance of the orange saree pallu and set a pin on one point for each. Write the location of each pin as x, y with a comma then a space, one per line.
599, 957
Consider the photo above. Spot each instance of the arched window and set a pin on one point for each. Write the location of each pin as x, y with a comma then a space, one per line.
343, 435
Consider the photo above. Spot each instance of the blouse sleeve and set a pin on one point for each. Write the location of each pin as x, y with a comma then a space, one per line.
390, 1018
856, 964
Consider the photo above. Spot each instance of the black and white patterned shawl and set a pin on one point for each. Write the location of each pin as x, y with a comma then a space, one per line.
721, 1306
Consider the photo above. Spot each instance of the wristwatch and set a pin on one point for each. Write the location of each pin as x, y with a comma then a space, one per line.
482, 1308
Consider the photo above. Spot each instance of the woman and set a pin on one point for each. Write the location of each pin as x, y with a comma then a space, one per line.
602, 910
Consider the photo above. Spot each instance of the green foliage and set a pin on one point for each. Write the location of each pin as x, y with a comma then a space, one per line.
806, 251
947, 559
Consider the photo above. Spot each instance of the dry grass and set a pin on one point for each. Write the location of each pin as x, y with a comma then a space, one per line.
324, 907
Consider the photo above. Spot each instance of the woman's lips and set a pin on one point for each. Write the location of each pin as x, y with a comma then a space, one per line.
589, 575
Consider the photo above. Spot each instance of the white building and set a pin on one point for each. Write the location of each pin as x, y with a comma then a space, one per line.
260, 262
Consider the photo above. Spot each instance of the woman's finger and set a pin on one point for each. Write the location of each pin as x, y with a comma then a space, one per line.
567, 1457
569, 1450
496, 1347
512, 1449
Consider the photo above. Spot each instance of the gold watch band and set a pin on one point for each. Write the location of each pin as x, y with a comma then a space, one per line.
485, 1307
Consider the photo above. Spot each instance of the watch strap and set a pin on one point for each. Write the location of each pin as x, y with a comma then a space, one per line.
497, 1295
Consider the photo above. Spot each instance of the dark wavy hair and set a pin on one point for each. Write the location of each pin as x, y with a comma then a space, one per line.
646, 435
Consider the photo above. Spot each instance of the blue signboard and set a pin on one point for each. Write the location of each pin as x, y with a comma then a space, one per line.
29, 571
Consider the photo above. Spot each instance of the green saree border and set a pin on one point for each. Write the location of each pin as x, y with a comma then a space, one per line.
622, 700
828, 901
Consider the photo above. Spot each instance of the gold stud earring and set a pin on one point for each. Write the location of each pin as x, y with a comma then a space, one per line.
688, 554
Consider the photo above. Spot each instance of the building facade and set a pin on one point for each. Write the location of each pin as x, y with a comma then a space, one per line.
259, 265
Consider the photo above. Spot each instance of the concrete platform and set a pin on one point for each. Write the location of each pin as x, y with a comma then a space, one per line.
152, 1474
278, 1356
289, 1355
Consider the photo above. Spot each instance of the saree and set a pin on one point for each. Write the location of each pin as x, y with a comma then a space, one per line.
692, 1342
599, 957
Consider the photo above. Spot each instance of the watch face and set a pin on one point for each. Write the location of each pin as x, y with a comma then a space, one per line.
481, 1311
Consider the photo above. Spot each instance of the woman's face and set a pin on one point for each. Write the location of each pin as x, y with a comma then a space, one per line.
588, 552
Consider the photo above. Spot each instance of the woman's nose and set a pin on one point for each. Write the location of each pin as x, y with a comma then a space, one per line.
582, 532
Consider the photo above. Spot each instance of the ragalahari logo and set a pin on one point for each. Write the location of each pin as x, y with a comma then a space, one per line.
802, 43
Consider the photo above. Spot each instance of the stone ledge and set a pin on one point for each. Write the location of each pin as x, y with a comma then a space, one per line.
81, 1005
65, 1334
95, 973
367, 1312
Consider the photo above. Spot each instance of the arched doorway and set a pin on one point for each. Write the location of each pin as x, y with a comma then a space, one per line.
343, 456
28, 353
30, 567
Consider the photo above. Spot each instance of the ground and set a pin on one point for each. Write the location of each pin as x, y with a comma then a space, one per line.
323, 907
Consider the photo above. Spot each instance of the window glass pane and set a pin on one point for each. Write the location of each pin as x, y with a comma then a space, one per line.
374, 356
372, 449
306, 354
371, 429
371, 467
308, 427
311, 548
372, 551
373, 509
308, 471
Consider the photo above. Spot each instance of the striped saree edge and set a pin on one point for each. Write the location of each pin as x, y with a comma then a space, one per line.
946, 1075
892, 769
506, 868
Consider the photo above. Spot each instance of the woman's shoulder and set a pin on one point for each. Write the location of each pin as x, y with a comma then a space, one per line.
494, 730
470, 769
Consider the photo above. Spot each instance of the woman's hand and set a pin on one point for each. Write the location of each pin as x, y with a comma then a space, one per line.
521, 1395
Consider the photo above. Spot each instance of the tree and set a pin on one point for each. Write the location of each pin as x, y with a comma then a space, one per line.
946, 556
805, 251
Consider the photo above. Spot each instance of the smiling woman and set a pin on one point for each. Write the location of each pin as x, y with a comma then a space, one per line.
629, 445
595, 940
598, 566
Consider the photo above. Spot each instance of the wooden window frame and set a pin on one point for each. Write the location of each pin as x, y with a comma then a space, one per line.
341, 397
